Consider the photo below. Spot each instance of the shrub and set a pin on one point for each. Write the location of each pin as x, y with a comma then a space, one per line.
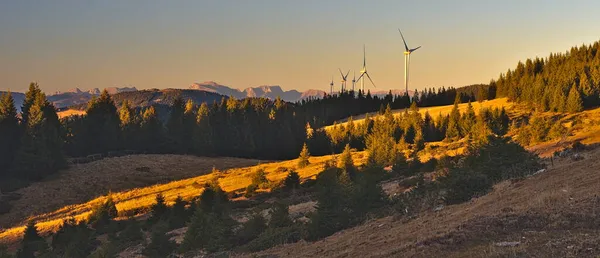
251, 229
159, 209
462, 185
132, 233
72, 240
280, 216
209, 231
303, 159
400, 166
32, 242
103, 213
292, 180
273, 237
250, 190
160, 245
259, 178
178, 215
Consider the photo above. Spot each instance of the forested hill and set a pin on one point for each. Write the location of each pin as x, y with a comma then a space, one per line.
561, 82
146, 98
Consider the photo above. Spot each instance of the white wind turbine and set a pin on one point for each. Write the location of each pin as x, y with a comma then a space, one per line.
344, 78
353, 80
364, 72
331, 86
407, 52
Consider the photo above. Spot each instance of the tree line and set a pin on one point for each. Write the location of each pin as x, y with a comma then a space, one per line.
561, 82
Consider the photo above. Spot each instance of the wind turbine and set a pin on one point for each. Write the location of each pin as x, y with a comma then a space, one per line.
364, 72
407, 52
344, 78
331, 86
353, 80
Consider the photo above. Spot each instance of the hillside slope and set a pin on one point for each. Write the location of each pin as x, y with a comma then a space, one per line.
552, 214
435, 111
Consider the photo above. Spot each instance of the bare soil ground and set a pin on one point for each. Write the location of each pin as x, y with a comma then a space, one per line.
552, 214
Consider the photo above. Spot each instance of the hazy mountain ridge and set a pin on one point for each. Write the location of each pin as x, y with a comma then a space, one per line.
265, 91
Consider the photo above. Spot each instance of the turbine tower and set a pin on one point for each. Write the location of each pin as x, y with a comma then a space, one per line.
364, 72
353, 80
407, 52
331, 86
344, 78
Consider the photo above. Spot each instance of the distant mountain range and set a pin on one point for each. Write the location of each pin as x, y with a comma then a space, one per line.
270, 92
199, 92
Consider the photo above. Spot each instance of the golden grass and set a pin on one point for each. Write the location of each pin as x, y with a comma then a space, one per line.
70, 112
444, 110
141, 198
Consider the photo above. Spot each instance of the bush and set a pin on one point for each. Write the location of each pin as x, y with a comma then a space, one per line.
303, 159
251, 229
273, 237
280, 216
160, 245
251, 190
178, 215
209, 231
159, 209
292, 180
103, 213
259, 178
462, 185
72, 240
32, 242
132, 233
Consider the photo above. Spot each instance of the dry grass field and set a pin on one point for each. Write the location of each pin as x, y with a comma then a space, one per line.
435, 111
70, 112
552, 214
72, 195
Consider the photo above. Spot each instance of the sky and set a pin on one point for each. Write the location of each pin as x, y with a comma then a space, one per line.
295, 44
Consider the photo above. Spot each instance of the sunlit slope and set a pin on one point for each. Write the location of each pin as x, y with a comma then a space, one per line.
130, 201
435, 111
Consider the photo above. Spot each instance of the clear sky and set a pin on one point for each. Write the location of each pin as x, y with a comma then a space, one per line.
294, 44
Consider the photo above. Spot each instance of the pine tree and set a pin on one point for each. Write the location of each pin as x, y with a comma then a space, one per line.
160, 245
303, 159
32, 242
159, 209
346, 164
468, 120
280, 216
40, 153
9, 133
574, 101
30, 96
292, 180
175, 126
454, 131
152, 132
103, 132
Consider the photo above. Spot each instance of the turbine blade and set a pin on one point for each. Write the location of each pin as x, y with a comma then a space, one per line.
415, 48
364, 56
405, 46
341, 74
346, 75
361, 75
371, 80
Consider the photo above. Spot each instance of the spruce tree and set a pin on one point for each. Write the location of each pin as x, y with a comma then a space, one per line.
103, 132
292, 180
40, 153
30, 96
9, 133
574, 101
346, 164
152, 132
160, 245
468, 120
454, 131
159, 209
32, 242
303, 159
